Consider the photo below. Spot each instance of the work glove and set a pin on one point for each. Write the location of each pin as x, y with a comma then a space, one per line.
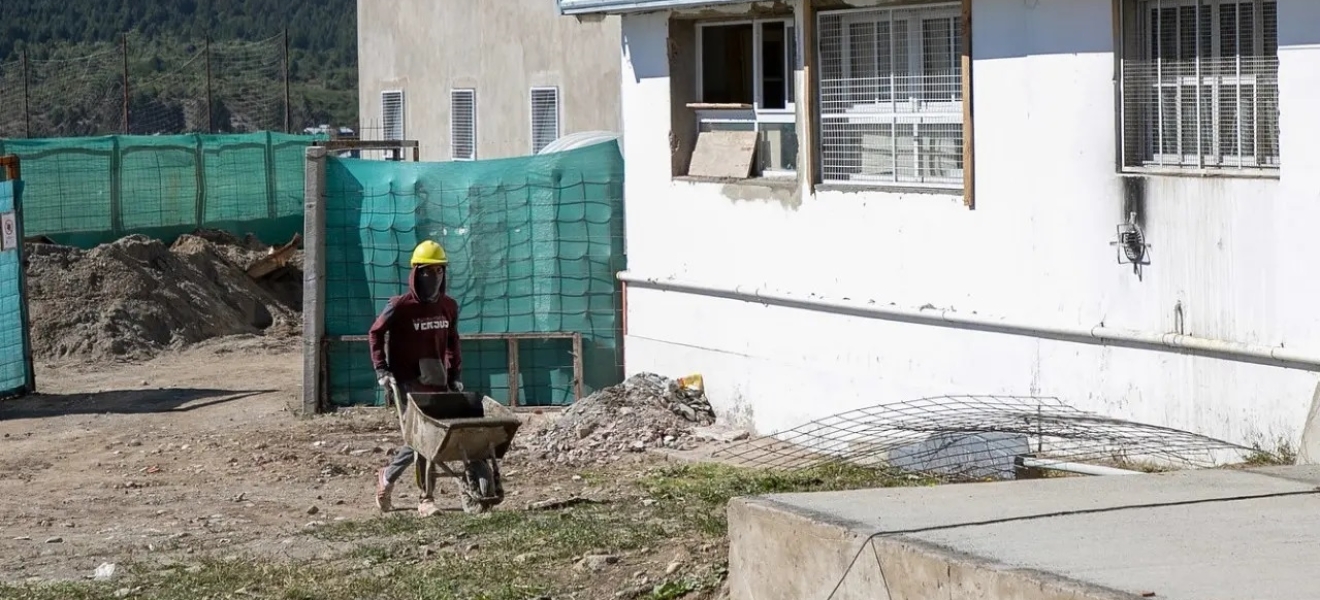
457, 386
384, 378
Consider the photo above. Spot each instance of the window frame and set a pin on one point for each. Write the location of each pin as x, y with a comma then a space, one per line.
453, 124
938, 113
753, 114
403, 115
531, 109
1143, 150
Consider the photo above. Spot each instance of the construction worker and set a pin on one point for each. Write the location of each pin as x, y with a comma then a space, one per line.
423, 354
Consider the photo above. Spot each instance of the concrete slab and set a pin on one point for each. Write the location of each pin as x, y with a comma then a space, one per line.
1192, 535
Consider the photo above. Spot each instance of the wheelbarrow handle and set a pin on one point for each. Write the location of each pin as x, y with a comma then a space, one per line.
393, 395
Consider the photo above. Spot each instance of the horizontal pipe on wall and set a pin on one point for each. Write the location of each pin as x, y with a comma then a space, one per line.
1100, 335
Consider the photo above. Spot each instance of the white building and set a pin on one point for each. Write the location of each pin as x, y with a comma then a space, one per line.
888, 268
475, 80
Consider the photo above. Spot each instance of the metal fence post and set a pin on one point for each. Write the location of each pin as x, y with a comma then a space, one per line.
124, 48
27, 96
314, 383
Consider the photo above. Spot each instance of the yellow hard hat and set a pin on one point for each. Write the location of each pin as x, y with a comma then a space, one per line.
429, 253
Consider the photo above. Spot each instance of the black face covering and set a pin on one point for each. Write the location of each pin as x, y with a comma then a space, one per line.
430, 281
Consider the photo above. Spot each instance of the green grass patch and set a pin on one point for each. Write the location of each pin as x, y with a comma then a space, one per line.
504, 555
701, 491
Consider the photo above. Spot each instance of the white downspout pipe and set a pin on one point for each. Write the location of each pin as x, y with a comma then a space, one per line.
1169, 342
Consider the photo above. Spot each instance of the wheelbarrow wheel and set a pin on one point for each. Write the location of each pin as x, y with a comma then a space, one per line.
481, 491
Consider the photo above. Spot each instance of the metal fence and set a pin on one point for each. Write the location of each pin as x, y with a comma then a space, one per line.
534, 244
145, 88
16, 372
88, 191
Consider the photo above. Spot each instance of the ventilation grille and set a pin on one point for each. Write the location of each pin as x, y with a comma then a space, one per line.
545, 117
463, 124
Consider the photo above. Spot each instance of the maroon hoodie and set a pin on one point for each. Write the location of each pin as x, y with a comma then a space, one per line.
417, 330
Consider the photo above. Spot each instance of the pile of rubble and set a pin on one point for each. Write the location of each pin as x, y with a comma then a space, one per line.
135, 297
646, 411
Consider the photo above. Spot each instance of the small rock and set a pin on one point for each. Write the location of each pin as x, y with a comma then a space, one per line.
55, 540
240, 497
311, 510
637, 446
648, 502
123, 592
597, 562
673, 568
524, 558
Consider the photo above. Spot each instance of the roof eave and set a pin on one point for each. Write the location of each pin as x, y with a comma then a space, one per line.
619, 7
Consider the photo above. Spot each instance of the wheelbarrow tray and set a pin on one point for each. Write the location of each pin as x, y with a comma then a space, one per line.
457, 426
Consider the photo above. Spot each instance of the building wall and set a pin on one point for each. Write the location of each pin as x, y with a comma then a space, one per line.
502, 48
1238, 254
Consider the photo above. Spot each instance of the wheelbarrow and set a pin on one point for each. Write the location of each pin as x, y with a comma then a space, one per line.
465, 428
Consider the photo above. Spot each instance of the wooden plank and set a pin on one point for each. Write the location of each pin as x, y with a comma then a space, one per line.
336, 145
969, 131
577, 367
718, 106
808, 149
723, 154
558, 335
513, 372
9, 163
275, 260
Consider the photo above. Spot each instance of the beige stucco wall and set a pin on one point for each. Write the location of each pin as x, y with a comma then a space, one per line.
502, 48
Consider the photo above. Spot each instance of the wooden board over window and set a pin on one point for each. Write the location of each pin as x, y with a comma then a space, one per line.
723, 154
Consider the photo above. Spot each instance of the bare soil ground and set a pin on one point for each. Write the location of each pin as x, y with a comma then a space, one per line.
192, 475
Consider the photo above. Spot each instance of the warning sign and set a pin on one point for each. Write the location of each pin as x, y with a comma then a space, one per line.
8, 231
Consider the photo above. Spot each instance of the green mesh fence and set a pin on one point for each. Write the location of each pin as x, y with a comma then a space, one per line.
15, 360
88, 191
533, 243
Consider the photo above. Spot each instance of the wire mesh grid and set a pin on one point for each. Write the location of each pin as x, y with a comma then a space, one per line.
194, 88
84, 192
977, 437
533, 245
891, 96
14, 358
1201, 84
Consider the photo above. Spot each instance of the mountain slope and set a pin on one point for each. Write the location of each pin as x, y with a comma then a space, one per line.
166, 62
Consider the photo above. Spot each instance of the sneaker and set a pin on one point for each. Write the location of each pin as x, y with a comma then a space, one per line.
427, 508
383, 490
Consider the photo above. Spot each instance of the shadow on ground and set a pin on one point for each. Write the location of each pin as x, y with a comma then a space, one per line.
126, 402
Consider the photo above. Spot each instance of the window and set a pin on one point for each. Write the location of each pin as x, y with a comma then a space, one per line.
463, 124
1200, 84
391, 114
891, 96
745, 83
545, 117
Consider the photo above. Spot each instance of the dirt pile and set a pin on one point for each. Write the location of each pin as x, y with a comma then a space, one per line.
646, 411
133, 298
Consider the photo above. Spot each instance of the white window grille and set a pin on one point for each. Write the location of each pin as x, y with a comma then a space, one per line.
745, 83
891, 96
463, 124
545, 117
391, 114
1200, 84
